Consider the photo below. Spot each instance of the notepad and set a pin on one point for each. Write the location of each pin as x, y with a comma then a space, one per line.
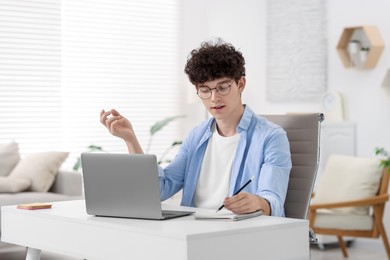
226, 215
35, 205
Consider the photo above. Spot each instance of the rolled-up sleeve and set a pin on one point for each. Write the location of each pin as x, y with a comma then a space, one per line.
275, 171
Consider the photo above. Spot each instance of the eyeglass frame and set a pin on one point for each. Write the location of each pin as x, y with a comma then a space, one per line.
216, 89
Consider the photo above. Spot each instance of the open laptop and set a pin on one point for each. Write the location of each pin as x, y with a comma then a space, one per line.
123, 185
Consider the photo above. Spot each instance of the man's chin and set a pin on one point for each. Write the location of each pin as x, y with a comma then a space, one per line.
217, 115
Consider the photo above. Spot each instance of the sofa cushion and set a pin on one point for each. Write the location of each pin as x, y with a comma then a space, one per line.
9, 157
348, 178
13, 185
40, 169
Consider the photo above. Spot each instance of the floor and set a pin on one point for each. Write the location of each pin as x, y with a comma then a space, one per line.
360, 249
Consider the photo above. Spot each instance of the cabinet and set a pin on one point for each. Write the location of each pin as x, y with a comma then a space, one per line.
360, 47
336, 138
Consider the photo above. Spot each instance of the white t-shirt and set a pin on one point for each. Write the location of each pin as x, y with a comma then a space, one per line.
214, 178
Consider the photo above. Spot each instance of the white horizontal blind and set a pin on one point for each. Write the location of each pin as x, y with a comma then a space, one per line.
119, 54
109, 54
30, 74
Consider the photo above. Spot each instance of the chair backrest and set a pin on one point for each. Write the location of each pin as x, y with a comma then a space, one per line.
303, 132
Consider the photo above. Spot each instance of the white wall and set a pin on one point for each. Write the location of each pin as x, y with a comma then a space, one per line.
243, 26
243, 23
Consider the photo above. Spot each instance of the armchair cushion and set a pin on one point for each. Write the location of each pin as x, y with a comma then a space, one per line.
343, 221
348, 178
9, 157
40, 169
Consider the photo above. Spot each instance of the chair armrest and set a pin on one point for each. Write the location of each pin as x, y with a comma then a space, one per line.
68, 183
352, 203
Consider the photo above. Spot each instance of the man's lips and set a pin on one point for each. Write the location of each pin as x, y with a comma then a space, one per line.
218, 107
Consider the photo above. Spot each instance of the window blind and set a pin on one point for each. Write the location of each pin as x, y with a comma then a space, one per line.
103, 54
30, 74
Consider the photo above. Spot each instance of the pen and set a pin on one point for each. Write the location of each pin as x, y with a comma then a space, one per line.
240, 189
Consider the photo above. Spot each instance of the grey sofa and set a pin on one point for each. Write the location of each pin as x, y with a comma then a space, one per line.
67, 186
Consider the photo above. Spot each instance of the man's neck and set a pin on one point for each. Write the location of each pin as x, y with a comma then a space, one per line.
228, 127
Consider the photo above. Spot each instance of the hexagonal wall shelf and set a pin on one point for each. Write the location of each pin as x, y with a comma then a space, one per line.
360, 47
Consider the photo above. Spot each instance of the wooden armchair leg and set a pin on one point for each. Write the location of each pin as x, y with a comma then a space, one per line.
382, 232
342, 246
381, 228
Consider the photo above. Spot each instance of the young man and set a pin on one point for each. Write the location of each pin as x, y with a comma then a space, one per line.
224, 152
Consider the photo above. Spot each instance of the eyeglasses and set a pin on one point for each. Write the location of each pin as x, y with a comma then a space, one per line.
222, 89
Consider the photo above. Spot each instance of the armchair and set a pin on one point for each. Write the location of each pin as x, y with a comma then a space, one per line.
350, 200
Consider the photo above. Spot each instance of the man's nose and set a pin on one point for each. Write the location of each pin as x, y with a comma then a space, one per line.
214, 94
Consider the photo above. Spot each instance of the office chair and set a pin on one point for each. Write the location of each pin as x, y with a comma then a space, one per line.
303, 132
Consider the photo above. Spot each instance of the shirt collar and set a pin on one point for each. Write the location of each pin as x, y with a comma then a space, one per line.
245, 120
243, 125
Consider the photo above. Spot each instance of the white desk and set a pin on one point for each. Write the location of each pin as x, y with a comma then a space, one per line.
67, 229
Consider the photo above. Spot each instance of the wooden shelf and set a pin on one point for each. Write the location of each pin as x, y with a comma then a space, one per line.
350, 45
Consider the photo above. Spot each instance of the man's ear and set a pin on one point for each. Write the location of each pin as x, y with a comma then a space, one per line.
241, 84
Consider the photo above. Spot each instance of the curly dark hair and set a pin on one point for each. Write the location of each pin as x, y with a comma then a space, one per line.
214, 60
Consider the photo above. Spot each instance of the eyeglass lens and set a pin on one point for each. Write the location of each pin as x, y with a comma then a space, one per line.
222, 89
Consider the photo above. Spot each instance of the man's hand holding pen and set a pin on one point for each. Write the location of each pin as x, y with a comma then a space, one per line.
245, 202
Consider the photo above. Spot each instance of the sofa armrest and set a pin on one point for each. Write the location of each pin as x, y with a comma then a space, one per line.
68, 183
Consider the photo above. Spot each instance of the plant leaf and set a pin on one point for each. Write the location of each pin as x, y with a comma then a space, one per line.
176, 143
93, 147
384, 158
160, 124
77, 164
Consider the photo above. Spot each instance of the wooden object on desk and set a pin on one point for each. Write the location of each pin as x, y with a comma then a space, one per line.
34, 206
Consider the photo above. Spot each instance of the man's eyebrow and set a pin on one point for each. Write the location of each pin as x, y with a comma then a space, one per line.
218, 83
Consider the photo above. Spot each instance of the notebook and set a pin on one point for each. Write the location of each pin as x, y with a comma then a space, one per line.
123, 185
224, 214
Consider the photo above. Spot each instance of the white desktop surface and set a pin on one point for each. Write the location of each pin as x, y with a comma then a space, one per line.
68, 229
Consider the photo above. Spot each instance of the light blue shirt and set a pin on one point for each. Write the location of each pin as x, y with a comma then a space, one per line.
263, 151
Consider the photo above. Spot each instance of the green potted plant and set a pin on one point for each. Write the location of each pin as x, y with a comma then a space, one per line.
91, 148
156, 127
384, 158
